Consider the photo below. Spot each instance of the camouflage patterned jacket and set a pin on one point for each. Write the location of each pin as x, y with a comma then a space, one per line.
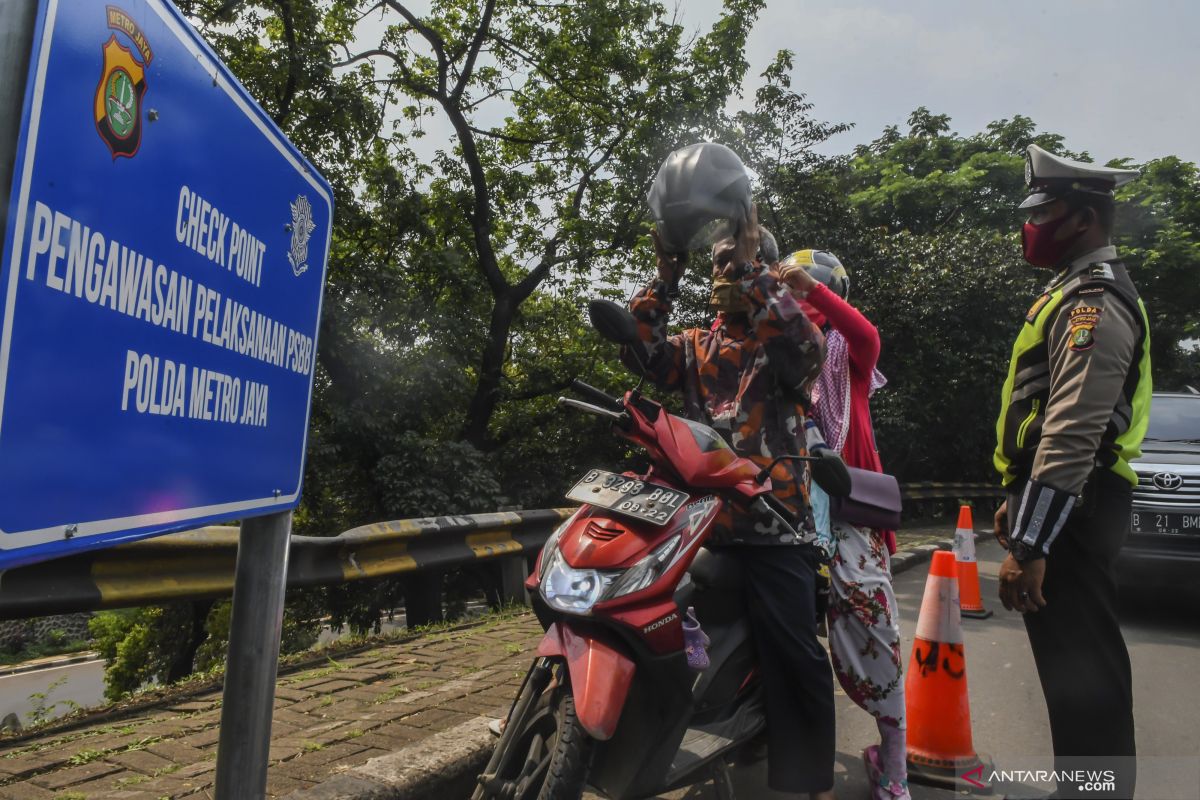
729, 377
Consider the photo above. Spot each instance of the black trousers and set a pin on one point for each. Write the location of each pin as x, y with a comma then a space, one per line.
780, 589
1081, 657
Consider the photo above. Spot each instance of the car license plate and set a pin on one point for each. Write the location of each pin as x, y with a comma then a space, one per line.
1165, 522
642, 500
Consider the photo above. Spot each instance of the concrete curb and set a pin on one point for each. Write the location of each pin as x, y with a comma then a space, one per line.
445, 764
49, 662
907, 559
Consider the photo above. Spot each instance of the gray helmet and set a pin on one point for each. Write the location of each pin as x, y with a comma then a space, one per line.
696, 186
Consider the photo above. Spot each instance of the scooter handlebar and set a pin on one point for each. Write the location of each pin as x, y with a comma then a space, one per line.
601, 398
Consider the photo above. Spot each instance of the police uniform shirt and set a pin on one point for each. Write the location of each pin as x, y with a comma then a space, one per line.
1091, 343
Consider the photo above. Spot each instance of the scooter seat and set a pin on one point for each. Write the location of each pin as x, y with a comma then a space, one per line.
716, 571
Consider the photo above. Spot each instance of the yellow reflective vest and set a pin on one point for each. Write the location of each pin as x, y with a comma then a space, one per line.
1028, 385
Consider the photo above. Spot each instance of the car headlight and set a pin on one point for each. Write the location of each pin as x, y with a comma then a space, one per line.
568, 589
645, 572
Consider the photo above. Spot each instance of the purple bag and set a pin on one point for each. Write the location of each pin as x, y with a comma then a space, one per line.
873, 502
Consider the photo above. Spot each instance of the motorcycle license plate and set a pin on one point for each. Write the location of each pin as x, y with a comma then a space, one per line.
642, 500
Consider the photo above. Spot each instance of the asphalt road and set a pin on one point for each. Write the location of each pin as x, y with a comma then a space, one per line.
64, 687
1008, 715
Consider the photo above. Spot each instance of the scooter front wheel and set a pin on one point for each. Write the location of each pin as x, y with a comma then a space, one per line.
545, 755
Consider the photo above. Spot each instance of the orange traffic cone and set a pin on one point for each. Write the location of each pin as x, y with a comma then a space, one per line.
938, 708
968, 570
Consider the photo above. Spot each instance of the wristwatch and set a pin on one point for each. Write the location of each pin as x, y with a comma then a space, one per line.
1023, 552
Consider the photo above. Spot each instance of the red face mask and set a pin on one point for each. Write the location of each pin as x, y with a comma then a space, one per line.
1041, 248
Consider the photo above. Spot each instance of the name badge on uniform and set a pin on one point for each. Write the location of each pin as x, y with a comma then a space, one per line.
1037, 306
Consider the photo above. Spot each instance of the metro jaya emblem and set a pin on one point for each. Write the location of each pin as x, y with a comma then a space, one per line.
118, 107
119, 100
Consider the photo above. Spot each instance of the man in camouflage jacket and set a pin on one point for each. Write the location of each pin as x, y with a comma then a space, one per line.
748, 377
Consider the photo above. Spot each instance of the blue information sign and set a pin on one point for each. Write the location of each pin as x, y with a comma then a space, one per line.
163, 265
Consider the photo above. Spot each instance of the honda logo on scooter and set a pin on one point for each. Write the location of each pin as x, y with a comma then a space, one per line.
653, 626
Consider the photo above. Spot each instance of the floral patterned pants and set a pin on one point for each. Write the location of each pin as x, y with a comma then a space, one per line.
864, 632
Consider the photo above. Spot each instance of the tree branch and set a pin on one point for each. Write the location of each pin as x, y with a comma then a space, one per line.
468, 68
506, 137
431, 36
293, 77
539, 273
407, 78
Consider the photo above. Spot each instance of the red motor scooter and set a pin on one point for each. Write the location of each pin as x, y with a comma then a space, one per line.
610, 702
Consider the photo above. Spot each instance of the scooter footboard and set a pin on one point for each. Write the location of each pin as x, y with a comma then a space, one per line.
601, 672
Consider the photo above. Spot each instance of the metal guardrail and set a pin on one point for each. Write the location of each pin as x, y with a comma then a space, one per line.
200, 564
932, 490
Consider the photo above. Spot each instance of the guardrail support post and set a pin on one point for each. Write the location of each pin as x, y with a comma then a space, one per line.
422, 598
513, 572
253, 662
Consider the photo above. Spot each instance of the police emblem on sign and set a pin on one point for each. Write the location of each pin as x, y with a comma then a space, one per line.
118, 102
302, 227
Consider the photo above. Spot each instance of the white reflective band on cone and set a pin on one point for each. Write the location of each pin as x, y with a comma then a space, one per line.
964, 544
939, 620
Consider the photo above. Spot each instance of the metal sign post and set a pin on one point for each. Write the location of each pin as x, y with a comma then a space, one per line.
16, 36
250, 670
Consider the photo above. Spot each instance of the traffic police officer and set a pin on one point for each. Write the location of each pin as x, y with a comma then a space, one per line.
1075, 408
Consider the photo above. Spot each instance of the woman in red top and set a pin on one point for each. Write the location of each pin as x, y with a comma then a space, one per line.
864, 634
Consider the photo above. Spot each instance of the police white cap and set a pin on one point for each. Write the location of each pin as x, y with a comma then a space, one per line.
1050, 177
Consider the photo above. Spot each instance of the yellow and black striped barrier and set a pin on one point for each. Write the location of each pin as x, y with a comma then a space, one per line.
200, 564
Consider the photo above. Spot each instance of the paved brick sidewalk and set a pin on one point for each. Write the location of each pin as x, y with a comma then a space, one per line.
326, 720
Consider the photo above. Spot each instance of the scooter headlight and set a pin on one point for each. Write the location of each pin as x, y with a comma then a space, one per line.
572, 590
646, 571
551, 545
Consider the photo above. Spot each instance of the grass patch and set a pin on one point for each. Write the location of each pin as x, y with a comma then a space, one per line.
391, 694
43, 650
87, 757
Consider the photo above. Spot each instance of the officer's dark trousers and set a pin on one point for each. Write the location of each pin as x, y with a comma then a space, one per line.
1081, 657
781, 605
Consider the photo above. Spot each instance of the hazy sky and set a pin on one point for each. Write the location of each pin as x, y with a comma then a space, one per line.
1115, 78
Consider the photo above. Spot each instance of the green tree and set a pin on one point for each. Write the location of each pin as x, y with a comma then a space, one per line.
927, 222
592, 95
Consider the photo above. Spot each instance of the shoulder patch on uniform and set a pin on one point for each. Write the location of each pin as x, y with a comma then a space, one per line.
1102, 270
1037, 306
1083, 320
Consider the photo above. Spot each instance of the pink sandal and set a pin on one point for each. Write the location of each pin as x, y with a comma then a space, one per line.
881, 787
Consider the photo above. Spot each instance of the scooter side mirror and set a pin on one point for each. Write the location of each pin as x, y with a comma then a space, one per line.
613, 322
830, 473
